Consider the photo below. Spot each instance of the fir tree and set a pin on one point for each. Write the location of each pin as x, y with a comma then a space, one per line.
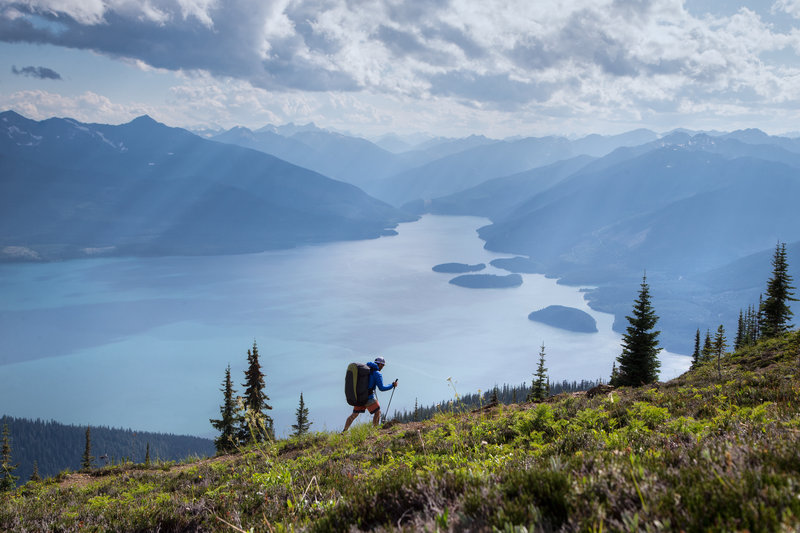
35, 474
614, 380
740, 332
708, 348
303, 423
147, 456
638, 362
416, 410
719, 347
8, 481
759, 318
539, 389
775, 310
696, 353
227, 423
751, 322
86, 461
257, 423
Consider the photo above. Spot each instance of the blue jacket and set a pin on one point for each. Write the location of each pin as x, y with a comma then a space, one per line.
376, 380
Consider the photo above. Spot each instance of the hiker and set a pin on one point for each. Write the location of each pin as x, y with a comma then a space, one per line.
375, 380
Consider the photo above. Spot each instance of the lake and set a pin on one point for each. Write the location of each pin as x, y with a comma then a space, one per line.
143, 343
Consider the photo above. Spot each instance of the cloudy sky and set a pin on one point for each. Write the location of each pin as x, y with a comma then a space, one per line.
446, 67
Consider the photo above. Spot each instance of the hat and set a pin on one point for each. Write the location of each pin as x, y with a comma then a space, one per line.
380, 360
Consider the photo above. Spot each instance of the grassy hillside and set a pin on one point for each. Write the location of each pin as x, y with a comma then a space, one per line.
708, 451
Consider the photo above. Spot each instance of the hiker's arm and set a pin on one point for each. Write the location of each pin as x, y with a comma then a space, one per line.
379, 383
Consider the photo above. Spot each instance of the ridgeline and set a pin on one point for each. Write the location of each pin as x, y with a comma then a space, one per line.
715, 449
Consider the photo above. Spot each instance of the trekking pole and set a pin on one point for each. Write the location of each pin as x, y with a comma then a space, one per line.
389, 404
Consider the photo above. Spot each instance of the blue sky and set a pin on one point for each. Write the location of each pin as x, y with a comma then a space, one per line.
446, 67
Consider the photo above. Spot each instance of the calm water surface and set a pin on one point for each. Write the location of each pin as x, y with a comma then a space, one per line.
143, 343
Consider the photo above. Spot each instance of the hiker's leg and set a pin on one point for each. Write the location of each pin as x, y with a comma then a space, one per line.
376, 417
349, 421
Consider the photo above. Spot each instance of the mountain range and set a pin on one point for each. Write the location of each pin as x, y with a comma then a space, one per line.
71, 189
683, 210
686, 209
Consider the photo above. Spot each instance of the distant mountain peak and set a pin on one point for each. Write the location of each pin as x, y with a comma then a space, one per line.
287, 130
144, 119
11, 114
750, 136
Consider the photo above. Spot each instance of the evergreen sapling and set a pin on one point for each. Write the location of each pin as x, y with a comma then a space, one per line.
303, 423
638, 362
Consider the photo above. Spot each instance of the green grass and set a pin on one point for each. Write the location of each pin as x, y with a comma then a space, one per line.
702, 452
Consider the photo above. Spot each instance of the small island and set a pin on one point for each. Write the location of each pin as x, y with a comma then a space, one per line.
521, 265
567, 318
487, 281
458, 268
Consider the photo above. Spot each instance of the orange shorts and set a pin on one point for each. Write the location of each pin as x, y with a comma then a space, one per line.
371, 406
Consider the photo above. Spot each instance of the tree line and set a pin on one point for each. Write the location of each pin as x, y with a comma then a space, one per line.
507, 394
47, 447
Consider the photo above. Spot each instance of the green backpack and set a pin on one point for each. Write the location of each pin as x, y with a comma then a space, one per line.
356, 383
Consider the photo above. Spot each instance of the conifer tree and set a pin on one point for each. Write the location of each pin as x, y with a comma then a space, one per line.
35, 474
257, 423
638, 362
696, 353
227, 423
708, 347
303, 423
86, 461
753, 332
759, 318
539, 389
614, 380
775, 310
147, 456
740, 332
8, 481
719, 347
416, 410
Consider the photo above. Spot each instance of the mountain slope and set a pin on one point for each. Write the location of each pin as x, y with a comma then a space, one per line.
712, 450
497, 197
675, 208
468, 168
72, 189
342, 157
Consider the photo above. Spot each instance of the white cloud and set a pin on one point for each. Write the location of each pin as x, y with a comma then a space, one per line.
199, 9
792, 7
92, 12
83, 11
86, 107
610, 58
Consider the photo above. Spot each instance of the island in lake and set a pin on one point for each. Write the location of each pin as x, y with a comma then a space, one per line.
458, 268
522, 265
567, 318
487, 281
